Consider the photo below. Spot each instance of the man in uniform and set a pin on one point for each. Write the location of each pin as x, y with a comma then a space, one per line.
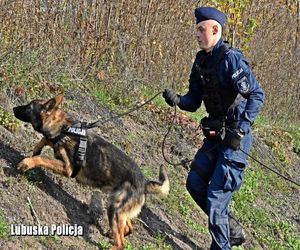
222, 80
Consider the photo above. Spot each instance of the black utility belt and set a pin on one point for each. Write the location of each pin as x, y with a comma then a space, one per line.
215, 129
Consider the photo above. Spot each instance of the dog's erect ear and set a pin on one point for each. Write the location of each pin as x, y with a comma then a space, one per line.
53, 103
59, 99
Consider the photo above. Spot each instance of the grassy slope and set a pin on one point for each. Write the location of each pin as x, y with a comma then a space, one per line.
267, 205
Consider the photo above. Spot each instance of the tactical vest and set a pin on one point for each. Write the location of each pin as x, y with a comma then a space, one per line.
217, 99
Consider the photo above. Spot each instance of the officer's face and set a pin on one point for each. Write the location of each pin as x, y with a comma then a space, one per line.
206, 34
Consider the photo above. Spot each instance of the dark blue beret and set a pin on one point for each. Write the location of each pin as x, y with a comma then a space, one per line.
207, 13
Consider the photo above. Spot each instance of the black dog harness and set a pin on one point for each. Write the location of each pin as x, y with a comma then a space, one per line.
78, 159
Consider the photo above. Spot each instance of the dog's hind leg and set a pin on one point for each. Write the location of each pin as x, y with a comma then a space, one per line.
117, 219
117, 225
128, 228
126, 203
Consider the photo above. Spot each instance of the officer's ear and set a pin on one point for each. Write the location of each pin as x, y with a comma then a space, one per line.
215, 29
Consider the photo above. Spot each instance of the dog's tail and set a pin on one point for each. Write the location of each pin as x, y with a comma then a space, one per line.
162, 186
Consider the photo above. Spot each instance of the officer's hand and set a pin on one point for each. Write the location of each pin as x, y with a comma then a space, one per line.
171, 97
233, 139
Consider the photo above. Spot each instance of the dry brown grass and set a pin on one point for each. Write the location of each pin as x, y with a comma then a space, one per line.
150, 43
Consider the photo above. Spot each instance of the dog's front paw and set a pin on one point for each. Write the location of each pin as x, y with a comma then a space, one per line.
26, 164
109, 234
116, 248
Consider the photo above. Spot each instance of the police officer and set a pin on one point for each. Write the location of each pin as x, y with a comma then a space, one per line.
222, 80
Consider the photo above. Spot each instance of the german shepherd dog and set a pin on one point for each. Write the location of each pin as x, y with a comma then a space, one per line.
105, 166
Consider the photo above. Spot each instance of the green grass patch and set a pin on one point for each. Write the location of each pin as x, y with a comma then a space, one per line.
159, 101
198, 115
260, 122
4, 227
148, 246
245, 198
161, 242
51, 242
294, 131
116, 97
197, 227
103, 244
271, 231
103, 96
148, 172
178, 195
282, 139
8, 121
180, 201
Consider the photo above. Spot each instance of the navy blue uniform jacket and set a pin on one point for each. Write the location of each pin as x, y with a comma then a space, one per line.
234, 73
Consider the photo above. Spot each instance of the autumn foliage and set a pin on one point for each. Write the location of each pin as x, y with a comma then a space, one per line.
150, 43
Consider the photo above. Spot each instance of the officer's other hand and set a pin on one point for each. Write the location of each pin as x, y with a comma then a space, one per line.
233, 139
171, 97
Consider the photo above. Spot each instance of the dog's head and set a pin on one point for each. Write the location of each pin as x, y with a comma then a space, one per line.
37, 111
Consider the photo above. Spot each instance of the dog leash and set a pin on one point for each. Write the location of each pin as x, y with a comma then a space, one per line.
182, 162
270, 169
99, 122
185, 161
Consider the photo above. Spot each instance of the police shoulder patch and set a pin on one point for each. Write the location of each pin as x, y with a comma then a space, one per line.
243, 85
237, 73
